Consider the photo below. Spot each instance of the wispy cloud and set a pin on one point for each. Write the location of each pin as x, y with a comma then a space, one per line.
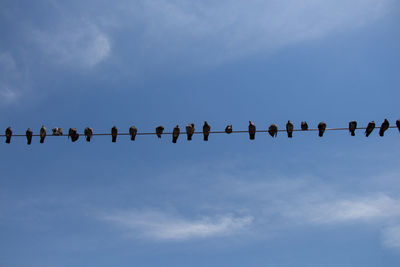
391, 237
11, 81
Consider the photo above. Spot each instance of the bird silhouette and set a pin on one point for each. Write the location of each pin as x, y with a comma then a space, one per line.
304, 126
385, 125
8, 135
228, 129
114, 133
88, 133
252, 130
370, 128
398, 124
190, 131
159, 131
352, 128
175, 134
73, 133
42, 134
206, 131
273, 130
289, 129
133, 132
29, 135
321, 128
57, 131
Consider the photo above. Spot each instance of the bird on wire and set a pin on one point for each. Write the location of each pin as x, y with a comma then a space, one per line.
228, 129
304, 126
88, 133
321, 128
159, 131
189, 131
175, 134
370, 128
114, 134
352, 128
289, 129
73, 133
398, 124
29, 135
133, 132
206, 131
273, 130
43, 133
57, 131
385, 125
8, 135
252, 130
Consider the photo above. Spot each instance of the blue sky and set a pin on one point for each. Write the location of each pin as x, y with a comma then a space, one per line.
305, 201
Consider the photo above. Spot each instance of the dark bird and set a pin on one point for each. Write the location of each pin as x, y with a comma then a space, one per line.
352, 128
304, 126
29, 135
133, 132
190, 131
289, 129
321, 128
73, 133
206, 131
273, 130
88, 133
175, 134
114, 133
252, 130
42, 134
228, 129
57, 131
385, 125
159, 131
370, 128
8, 135
398, 124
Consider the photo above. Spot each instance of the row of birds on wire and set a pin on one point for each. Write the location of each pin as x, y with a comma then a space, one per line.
190, 130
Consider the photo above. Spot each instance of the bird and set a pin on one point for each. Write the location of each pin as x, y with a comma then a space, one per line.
159, 131
175, 134
57, 131
385, 125
273, 130
304, 126
133, 132
398, 124
190, 131
29, 134
352, 127
42, 134
8, 135
370, 128
252, 130
88, 133
228, 129
321, 129
73, 133
114, 133
289, 129
206, 131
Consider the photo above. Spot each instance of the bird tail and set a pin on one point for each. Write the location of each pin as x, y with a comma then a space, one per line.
206, 137
88, 138
8, 140
189, 137
132, 137
290, 134
29, 141
252, 136
114, 139
41, 140
174, 139
320, 134
353, 133
381, 132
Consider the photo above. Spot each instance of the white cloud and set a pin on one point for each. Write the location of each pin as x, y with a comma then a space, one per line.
11, 82
162, 226
391, 237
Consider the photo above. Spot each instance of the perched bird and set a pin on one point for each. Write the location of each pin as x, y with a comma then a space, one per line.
159, 131
384, 127
8, 135
133, 132
42, 134
206, 131
370, 128
352, 127
175, 134
289, 129
114, 133
190, 131
73, 133
252, 130
29, 135
88, 133
304, 126
228, 129
321, 129
57, 131
398, 124
273, 130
